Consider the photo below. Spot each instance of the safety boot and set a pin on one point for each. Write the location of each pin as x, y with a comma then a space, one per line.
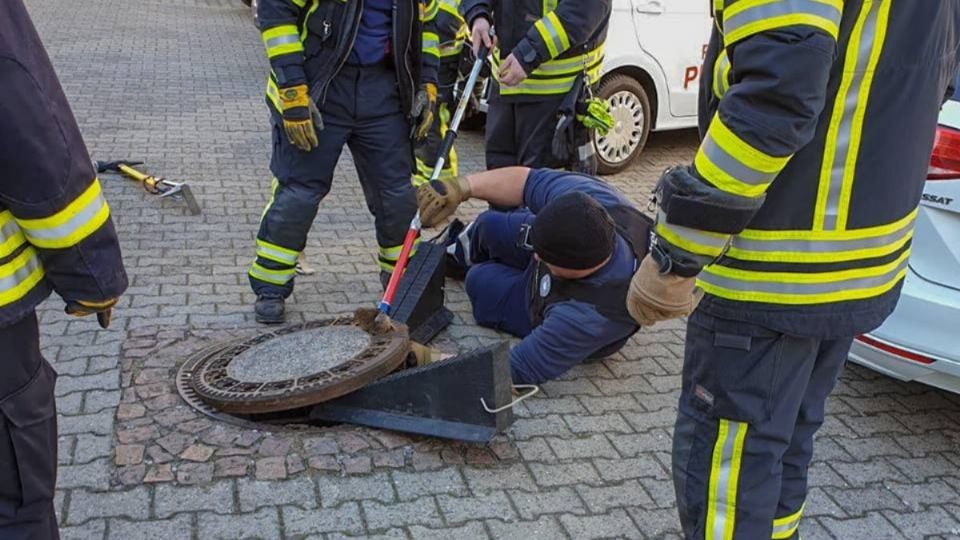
269, 309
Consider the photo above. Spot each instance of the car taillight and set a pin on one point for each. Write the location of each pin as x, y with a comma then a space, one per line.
896, 351
945, 160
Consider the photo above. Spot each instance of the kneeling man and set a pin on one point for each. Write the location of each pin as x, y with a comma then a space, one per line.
556, 271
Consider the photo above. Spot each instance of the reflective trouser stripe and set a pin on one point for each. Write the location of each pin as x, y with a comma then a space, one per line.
802, 288
842, 144
69, 226
11, 237
822, 246
553, 34
388, 256
785, 527
748, 17
431, 44
274, 186
276, 253
721, 74
280, 40
731, 164
19, 276
724, 477
276, 277
273, 94
450, 169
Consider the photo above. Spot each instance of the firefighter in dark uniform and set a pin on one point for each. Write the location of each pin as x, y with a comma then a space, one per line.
548, 49
554, 272
452, 34
55, 235
795, 218
356, 73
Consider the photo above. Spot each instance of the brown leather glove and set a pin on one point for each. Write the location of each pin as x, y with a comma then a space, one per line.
439, 199
103, 309
301, 119
655, 297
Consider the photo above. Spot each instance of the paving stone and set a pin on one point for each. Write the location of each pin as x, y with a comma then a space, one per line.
533, 505
657, 523
414, 485
195, 473
582, 448
614, 470
92, 530
545, 528
100, 423
121, 529
422, 511
344, 518
859, 501
472, 530
198, 453
602, 499
335, 490
170, 499
876, 470
511, 477
490, 505
615, 524
357, 464
90, 447
564, 474
879, 527
923, 493
535, 450
263, 525
271, 468
297, 491
93, 475
85, 505
924, 524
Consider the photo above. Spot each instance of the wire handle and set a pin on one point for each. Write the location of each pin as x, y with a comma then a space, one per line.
533, 390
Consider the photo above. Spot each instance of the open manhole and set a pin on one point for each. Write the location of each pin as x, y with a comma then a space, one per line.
276, 376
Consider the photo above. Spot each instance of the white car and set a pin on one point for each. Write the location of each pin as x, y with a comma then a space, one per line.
654, 55
921, 339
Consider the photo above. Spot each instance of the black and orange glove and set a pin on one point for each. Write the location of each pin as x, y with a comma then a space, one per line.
424, 110
301, 118
82, 308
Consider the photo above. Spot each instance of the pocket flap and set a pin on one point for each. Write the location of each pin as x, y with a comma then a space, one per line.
35, 403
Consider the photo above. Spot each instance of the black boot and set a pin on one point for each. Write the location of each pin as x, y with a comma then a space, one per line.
269, 309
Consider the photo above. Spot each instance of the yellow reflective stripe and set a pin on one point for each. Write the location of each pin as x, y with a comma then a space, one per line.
698, 242
430, 11
732, 165
841, 147
802, 288
748, 17
721, 74
304, 30
451, 48
19, 276
276, 253
273, 94
553, 34
280, 40
724, 479
849, 234
274, 186
11, 237
276, 277
70, 226
431, 43
551, 86
570, 66
452, 7
393, 253
785, 527
299, 3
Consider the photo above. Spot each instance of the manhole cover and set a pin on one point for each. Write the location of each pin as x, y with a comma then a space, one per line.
295, 367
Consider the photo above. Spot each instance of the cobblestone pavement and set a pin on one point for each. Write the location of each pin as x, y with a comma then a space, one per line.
177, 83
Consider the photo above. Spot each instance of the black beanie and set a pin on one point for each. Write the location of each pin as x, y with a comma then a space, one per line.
573, 231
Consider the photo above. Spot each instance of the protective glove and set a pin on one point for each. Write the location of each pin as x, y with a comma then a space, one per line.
655, 297
424, 110
301, 118
439, 199
82, 308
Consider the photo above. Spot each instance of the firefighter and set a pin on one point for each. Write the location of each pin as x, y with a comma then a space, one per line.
795, 218
357, 73
55, 235
548, 49
554, 272
451, 34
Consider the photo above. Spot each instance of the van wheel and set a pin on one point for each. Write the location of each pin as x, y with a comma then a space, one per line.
630, 108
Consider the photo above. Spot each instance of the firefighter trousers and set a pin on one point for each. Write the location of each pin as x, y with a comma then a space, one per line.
28, 436
521, 133
428, 152
750, 403
362, 111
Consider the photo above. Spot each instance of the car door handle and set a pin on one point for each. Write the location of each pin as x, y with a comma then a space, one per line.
650, 8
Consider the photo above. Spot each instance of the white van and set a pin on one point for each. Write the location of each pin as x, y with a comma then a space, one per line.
654, 54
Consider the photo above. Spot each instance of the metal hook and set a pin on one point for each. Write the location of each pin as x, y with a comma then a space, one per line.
533, 390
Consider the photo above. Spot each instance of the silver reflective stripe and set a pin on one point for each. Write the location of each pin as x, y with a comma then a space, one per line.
275, 255
849, 103
725, 472
779, 8
277, 277
8, 231
561, 86
822, 246
784, 530
693, 235
732, 166
282, 40
13, 280
776, 287
72, 225
553, 32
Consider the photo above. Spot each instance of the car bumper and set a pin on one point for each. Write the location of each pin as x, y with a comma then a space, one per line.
914, 344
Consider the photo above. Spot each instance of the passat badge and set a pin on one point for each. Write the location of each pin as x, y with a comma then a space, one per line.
545, 285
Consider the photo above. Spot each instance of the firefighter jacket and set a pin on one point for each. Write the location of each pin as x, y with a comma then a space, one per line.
554, 40
817, 120
308, 41
452, 33
55, 227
